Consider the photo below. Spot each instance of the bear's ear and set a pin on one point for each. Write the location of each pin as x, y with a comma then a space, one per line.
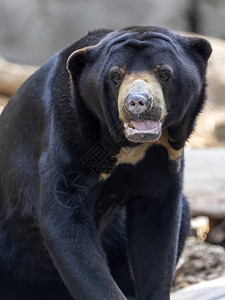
202, 46
77, 60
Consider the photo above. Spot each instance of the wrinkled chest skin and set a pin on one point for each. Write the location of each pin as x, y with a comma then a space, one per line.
91, 167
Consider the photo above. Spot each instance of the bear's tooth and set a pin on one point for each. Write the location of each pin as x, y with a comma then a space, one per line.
131, 125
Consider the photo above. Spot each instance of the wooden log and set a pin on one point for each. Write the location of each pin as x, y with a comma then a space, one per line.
12, 76
3, 101
205, 290
204, 181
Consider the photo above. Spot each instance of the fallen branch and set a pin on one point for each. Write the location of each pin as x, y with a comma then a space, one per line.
3, 101
12, 76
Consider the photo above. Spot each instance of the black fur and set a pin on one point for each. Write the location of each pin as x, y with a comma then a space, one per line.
64, 233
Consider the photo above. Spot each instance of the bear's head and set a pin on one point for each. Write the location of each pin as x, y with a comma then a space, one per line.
141, 80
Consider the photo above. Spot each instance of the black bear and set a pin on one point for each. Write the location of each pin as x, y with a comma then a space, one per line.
91, 167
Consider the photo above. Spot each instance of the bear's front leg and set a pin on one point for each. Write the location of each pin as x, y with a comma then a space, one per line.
153, 226
69, 233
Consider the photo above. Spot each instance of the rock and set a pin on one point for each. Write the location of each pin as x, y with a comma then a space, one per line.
199, 262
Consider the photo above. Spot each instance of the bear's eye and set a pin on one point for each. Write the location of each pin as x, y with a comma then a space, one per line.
165, 75
115, 75
116, 78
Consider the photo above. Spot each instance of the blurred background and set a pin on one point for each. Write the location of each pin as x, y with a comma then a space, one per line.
31, 31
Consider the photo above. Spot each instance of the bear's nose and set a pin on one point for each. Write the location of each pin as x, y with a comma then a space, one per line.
137, 103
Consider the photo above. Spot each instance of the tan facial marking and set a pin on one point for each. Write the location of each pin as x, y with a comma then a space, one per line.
143, 82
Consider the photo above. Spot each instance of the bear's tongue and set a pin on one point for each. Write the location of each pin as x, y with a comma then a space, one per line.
145, 125
143, 130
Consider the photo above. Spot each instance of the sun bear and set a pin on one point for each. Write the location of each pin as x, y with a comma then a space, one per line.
91, 167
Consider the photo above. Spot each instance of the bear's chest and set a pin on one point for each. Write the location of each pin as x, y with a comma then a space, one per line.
128, 155
133, 155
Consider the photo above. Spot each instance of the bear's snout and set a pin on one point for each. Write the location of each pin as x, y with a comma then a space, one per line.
138, 103
141, 97
141, 107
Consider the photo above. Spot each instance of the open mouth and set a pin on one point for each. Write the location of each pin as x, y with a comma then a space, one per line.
143, 130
